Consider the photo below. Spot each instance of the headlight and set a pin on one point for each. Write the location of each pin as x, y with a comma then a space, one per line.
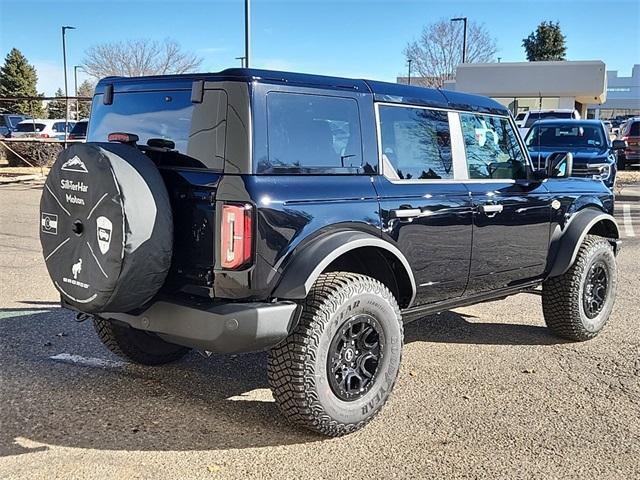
604, 173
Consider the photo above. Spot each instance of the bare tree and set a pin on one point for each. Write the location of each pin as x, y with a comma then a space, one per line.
438, 51
135, 58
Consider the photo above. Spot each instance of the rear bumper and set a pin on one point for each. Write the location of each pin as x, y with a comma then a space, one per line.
222, 328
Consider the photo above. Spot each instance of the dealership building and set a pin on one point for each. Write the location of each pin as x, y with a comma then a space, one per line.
521, 86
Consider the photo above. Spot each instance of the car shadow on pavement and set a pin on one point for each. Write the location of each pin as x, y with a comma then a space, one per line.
195, 404
453, 327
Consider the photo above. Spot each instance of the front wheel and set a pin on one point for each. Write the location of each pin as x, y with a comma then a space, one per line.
577, 304
335, 371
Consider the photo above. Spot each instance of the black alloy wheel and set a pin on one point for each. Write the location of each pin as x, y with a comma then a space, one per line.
354, 355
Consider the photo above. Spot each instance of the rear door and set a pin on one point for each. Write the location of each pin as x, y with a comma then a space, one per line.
511, 214
424, 210
190, 160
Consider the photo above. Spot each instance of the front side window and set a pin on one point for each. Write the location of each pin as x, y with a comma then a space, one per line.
312, 134
416, 143
492, 148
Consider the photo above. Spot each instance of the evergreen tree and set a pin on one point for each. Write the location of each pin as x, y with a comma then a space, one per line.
57, 108
85, 89
18, 78
546, 43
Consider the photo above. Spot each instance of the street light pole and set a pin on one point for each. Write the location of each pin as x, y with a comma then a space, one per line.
464, 36
241, 61
247, 35
66, 89
409, 72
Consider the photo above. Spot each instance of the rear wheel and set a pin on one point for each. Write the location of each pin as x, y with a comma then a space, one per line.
136, 345
577, 304
335, 371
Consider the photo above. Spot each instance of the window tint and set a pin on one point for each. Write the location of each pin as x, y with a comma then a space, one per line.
312, 134
29, 127
535, 116
416, 143
197, 130
492, 148
634, 129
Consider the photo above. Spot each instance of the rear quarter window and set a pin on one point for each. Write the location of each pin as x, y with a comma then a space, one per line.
312, 134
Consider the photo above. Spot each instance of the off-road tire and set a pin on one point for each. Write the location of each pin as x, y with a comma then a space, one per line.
136, 345
297, 367
562, 296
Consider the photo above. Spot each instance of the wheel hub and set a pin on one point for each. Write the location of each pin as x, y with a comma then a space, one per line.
595, 290
354, 355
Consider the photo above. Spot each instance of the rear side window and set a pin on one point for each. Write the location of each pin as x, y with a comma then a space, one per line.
197, 130
30, 127
312, 134
634, 129
492, 148
416, 143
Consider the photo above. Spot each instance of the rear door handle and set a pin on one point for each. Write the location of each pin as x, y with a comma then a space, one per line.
491, 210
406, 213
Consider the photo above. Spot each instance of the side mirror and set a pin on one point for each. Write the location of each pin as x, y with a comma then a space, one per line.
618, 145
540, 174
560, 165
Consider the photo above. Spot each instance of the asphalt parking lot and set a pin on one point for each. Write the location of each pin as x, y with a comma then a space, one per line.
484, 392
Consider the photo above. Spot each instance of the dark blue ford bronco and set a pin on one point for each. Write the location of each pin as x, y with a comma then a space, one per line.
247, 210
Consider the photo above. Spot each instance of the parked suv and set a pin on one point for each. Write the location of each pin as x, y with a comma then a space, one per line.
594, 154
630, 133
312, 216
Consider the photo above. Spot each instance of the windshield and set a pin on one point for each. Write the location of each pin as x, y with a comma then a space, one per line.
535, 116
580, 136
80, 128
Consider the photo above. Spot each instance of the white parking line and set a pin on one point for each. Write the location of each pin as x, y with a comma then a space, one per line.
628, 224
87, 361
257, 395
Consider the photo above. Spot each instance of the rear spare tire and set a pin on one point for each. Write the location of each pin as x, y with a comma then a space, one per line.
106, 227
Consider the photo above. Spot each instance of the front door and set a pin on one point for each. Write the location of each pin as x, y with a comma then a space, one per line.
511, 212
424, 211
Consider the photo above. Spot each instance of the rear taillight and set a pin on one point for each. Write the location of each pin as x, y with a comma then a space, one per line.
236, 238
42, 135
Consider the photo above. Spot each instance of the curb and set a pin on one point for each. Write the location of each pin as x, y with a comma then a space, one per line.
19, 178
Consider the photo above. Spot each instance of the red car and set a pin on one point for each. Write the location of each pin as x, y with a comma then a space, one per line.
630, 132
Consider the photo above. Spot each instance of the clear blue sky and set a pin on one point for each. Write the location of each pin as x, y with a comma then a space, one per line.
347, 38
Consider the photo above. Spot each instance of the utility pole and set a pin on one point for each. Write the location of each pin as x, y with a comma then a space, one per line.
464, 36
66, 89
409, 73
247, 35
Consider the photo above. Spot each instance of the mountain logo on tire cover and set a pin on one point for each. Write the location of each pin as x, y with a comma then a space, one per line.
49, 223
74, 164
103, 229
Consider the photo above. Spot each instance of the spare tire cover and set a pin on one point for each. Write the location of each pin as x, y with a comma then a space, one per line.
106, 227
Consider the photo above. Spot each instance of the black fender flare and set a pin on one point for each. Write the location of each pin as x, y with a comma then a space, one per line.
307, 265
565, 244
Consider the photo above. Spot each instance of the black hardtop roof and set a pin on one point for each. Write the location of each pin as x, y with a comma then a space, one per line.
382, 91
